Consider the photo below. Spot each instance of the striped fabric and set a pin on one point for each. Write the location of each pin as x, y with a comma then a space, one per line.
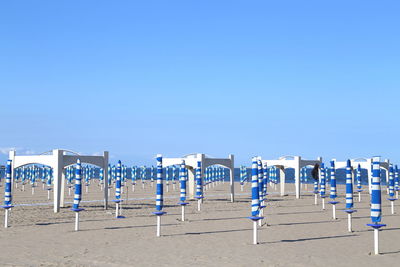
199, 184
182, 179
322, 182
255, 198
159, 188
349, 186
376, 201
396, 178
7, 185
358, 177
260, 180
391, 181
48, 176
78, 185
265, 179
118, 182
333, 194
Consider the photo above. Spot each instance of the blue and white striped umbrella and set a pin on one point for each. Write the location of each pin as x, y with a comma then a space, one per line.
78, 185
396, 178
358, 178
182, 179
160, 185
199, 185
118, 182
265, 179
333, 194
391, 181
255, 197
260, 181
322, 182
7, 186
349, 187
376, 201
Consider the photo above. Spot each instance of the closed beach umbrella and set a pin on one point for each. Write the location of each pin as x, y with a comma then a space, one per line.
159, 194
7, 192
396, 181
349, 195
349, 187
322, 184
359, 185
255, 198
78, 193
199, 186
182, 179
391, 187
333, 193
265, 180
376, 202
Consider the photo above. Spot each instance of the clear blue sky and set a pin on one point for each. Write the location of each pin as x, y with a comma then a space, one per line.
137, 78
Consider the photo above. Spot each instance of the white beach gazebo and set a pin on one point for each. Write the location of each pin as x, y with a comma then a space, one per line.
206, 161
59, 159
295, 162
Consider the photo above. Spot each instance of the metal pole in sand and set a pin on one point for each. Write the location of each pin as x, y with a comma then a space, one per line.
376, 209
159, 194
255, 199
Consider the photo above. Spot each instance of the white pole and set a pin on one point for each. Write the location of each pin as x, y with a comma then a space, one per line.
23, 187
241, 188
315, 199
323, 203
183, 213
116, 210
397, 194
158, 225
334, 211
376, 241
167, 188
261, 215
359, 196
87, 189
33, 190
48, 194
255, 233
6, 219
69, 191
349, 222
198, 204
392, 205
76, 221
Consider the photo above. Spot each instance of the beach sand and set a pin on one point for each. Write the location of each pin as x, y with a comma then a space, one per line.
297, 233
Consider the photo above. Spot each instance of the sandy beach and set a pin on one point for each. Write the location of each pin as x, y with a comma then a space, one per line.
297, 233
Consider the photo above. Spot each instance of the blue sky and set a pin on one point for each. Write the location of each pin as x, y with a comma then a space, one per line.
137, 78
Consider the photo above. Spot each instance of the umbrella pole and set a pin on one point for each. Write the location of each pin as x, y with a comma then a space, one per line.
76, 221
359, 196
315, 199
349, 222
116, 210
6, 219
255, 242
334, 211
376, 241
199, 204
323, 203
158, 225
183, 213
392, 206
